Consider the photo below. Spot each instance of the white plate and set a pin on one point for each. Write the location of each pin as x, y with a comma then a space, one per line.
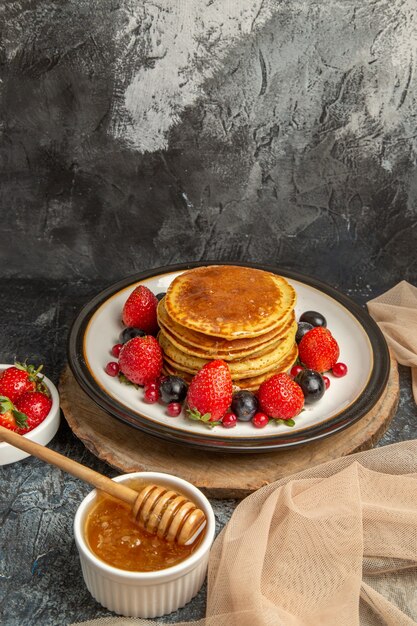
99, 325
41, 434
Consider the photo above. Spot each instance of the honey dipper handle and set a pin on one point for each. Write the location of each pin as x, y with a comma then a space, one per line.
118, 490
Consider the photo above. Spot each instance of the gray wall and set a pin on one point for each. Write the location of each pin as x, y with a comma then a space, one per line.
135, 134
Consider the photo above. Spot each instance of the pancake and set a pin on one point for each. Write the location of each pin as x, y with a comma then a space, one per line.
212, 345
241, 368
232, 354
229, 301
225, 356
250, 383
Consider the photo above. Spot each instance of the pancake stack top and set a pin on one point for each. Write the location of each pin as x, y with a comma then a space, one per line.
242, 315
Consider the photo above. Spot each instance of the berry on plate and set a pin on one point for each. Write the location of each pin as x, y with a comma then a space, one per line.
260, 420
19, 378
339, 370
295, 370
280, 397
302, 329
314, 318
116, 350
318, 350
312, 385
140, 310
151, 394
112, 368
35, 405
244, 405
172, 389
210, 392
130, 333
229, 420
174, 409
140, 360
10, 417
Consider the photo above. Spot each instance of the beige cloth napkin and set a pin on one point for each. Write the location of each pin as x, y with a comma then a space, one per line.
396, 314
335, 545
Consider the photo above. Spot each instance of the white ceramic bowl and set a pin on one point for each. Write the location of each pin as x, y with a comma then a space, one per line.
146, 594
41, 434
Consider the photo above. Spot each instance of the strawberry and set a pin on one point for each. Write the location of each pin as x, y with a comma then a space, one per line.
140, 360
280, 397
139, 310
35, 405
318, 349
10, 417
20, 378
210, 392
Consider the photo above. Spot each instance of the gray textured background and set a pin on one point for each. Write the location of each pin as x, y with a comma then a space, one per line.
136, 134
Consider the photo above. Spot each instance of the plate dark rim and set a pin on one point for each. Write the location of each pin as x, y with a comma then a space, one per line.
357, 409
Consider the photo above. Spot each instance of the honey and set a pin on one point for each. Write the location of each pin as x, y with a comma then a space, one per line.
116, 538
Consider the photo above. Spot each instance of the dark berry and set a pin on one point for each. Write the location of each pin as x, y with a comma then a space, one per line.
116, 350
260, 420
339, 370
312, 385
173, 389
296, 370
130, 333
326, 381
151, 395
314, 318
302, 329
174, 409
161, 295
244, 405
229, 420
112, 368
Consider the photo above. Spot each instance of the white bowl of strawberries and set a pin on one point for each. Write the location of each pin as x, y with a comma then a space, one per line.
29, 405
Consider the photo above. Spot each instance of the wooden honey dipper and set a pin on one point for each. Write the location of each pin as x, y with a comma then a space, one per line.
159, 510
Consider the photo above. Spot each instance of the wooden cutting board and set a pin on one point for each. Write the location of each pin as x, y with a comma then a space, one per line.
219, 475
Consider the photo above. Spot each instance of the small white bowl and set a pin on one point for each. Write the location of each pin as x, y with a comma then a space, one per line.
41, 434
146, 594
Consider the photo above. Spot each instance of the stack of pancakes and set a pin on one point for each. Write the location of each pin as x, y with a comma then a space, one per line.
242, 315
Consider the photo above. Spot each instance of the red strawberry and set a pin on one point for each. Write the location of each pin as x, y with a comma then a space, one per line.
281, 397
14, 382
20, 378
140, 360
139, 310
318, 349
210, 392
35, 405
10, 417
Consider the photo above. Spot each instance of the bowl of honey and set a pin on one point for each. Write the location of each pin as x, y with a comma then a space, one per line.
130, 571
